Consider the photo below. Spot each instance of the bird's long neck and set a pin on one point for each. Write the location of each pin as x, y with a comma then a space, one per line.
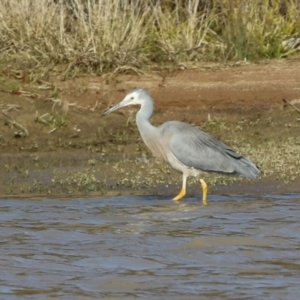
144, 114
149, 133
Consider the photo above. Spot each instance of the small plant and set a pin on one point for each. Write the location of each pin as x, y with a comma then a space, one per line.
92, 161
54, 120
57, 121
84, 181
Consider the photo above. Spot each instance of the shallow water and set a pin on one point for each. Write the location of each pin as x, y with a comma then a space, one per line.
238, 247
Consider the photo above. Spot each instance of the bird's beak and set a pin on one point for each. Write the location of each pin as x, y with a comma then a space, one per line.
119, 105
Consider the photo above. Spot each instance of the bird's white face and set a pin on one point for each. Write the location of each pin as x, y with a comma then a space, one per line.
131, 98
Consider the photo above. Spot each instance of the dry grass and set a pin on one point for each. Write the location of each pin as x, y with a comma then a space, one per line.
97, 36
89, 35
257, 29
181, 34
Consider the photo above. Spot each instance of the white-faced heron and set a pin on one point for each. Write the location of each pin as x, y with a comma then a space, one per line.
187, 149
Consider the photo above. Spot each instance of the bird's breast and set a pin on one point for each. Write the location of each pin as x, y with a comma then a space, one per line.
156, 147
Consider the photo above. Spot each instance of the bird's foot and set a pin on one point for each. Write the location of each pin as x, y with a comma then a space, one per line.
204, 201
180, 195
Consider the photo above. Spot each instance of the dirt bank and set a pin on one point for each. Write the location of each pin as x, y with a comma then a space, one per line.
54, 142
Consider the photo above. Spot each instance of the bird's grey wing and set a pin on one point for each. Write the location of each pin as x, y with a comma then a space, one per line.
197, 149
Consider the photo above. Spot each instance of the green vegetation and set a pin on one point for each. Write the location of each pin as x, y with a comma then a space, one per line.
98, 36
278, 159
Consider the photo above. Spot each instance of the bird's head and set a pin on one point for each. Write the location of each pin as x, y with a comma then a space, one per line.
135, 97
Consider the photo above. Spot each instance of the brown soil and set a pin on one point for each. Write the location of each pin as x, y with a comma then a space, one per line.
83, 154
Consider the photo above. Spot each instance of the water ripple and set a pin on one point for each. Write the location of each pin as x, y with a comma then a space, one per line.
240, 247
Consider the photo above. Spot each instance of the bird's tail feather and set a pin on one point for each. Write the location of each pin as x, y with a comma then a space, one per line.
245, 168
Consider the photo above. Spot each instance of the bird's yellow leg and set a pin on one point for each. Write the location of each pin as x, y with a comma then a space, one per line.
183, 189
180, 195
204, 191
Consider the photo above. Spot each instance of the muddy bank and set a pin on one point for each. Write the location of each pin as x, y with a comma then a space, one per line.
54, 142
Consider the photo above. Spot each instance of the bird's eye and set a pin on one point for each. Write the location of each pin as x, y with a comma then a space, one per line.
131, 98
